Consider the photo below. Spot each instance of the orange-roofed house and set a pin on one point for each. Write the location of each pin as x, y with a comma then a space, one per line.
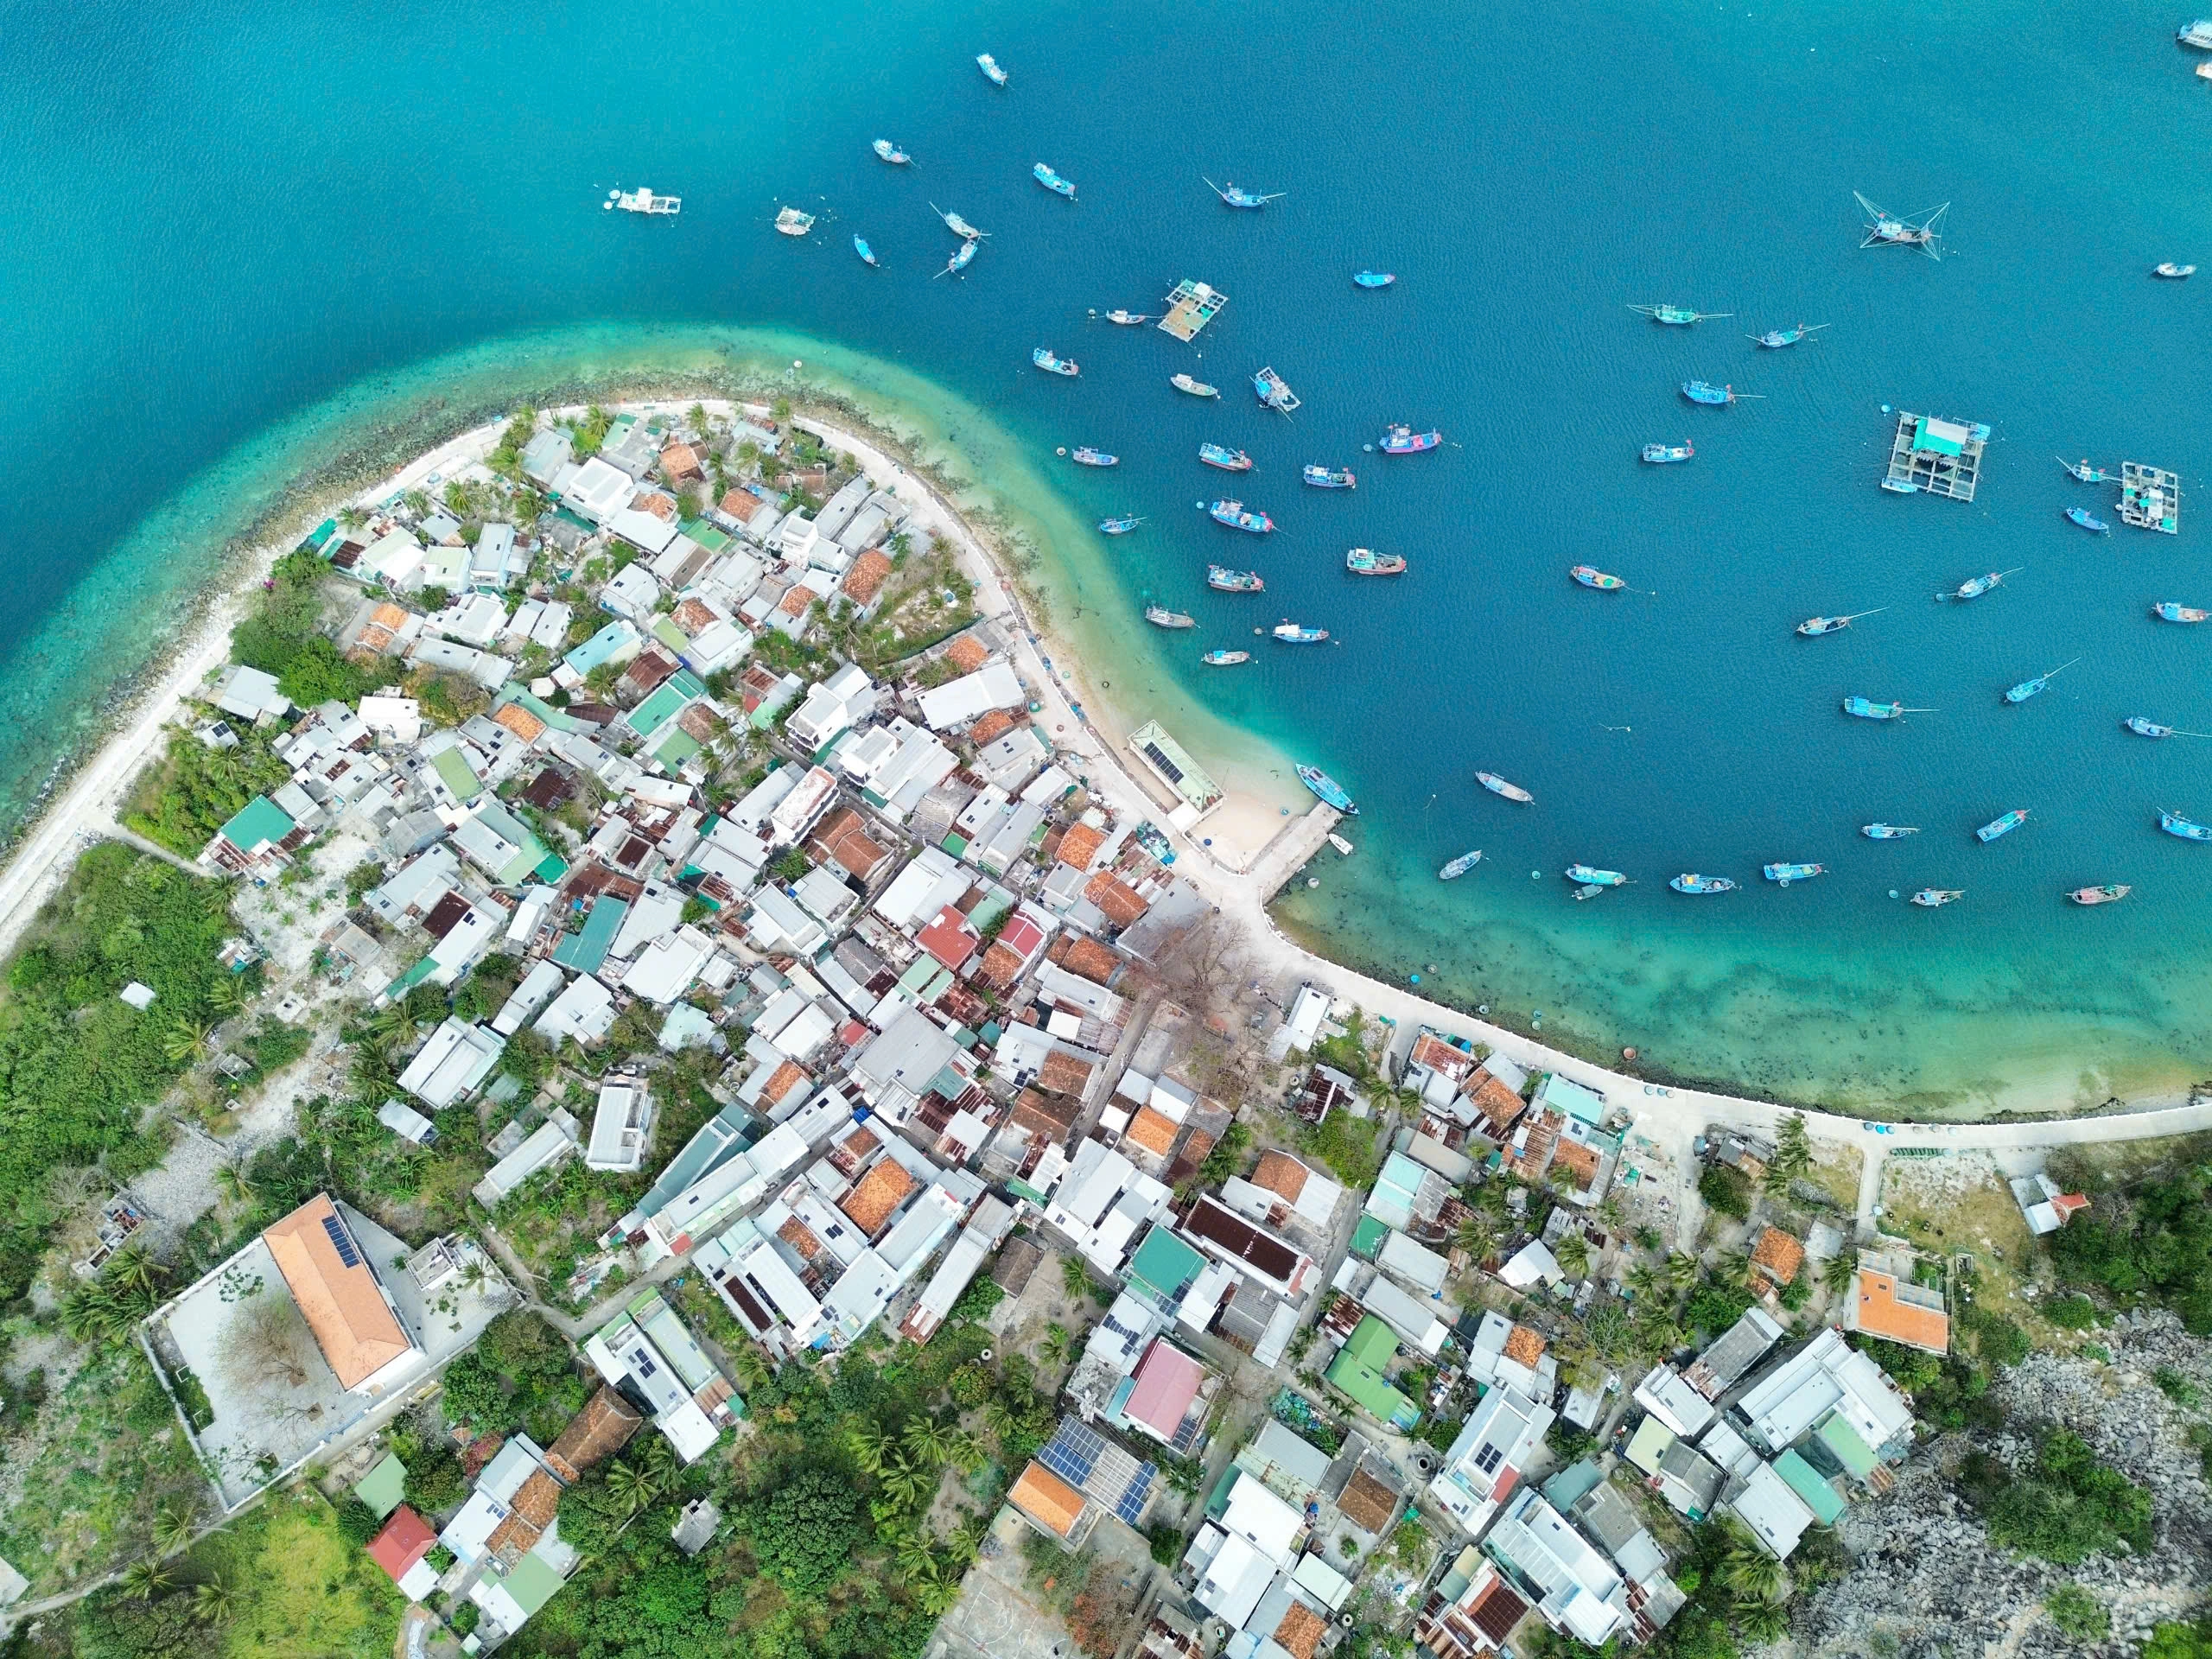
1152, 1131
1300, 1631
967, 653
1524, 1345
1119, 902
355, 1324
1779, 1257
866, 579
680, 462
875, 1197
990, 726
400, 1549
1887, 1304
519, 720
1093, 959
1080, 845
1050, 1505
951, 938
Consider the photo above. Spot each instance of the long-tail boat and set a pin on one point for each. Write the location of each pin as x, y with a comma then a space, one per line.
1775, 338
1932, 898
1975, 588
2034, 687
1119, 526
2085, 473
1815, 625
2004, 824
1498, 785
1678, 316
1866, 708
1590, 576
1888, 831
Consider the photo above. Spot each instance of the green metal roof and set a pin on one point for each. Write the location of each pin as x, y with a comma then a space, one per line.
414, 976
1804, 1480
1934, 442
384, 1487
662, 706
533, 1583
586, 952
1368, 1237
260, 819
1357, 1372
1851, 1451
705, 534
450, 766
675, 748
1164, 1267
668, 634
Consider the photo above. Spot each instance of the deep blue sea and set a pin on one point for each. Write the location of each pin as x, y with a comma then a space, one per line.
246, 239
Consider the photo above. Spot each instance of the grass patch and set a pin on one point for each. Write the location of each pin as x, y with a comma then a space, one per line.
300, 1587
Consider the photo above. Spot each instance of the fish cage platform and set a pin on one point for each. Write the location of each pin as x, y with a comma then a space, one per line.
1934, 457
2150, 497
1189, 308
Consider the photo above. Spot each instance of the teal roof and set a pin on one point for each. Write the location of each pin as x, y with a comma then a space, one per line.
585, 952
600, 646
675, 748
1804, 1480
384, 1487
414, 976
259, 820
1571, 1097
658, 709
1164, 1267
1368, 1237
1572, 1483
1852, 1452
1394, 1189
454, 769
559, 719
1357, 1372
705, 534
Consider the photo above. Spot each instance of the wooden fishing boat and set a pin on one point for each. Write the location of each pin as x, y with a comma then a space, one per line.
1374, 278
1932, 898
1044, 359
1866, 708
1053, 181
1235, 515
1775, 338
1702, 884
1460, 866
2104, 895
959, 226
1292, 633
1900, 486
962, 256
1404, 441
1366, 562
1498, 785
1703, 392
1086, 456
1980, 585
867, 253
2002, 825
1813, 625
1588, 890
1889, 230
1331, 792
1229, 461
1222, 580
2188, 829
1239, 198
886, 151
2173, 271
791, 222
1584, 873
2034, 687
1196, 388
1160, 617
1119, 526
1127, 319
1678, 316
1785, 873
2087, 474
1275, 391
990, 66
2143, 728
1225, 658
1328, 477
2168, 611
2087, 520
1660, 454
1888, 831
1591, 577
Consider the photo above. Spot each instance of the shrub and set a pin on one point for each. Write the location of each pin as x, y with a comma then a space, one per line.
358, 1522
2064, 1507
2078, 1613
1165, 1540
1725, 1189
2176, 1386
2074, 1312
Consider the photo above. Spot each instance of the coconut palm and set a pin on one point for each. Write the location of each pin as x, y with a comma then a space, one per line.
1479, 1237
147, 1579
1573, 1254
1681, 1270
137, 1273
907, 1482
185, 1041
91, 1314
213, 1601
1648, 1281
915, 1557
1836, 1275
1762, 1622
871, 1445
1752, 1574
633, 1486
927, 1441
751, 1366
964, 1451
999, 1417
967, 1539
1736, 1268
1057, 1342
235, 1183
175, 1524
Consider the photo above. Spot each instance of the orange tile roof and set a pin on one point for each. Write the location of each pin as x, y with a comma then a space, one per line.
785, 1078
1154, 1133
693, 615
876, 1194
967, 653
796, 1233
1779, 1253
701, 723
743, 506
990, 725
1583, 1161
867, 576
795, 601
1000, 962
1366, 1502
1119, 902
1281, 1175
678, 460
1063, 1074
1498, 1103
1300, 1631
658, 503
600, 1430
1080, 845
1434, 1052
1881, 1314
1523, 1344
1092, 958
388, 615
1047, 1500
519, 720
344, 1307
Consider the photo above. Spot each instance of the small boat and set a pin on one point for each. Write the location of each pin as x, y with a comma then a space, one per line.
962, 256
2198, 34
1813, 625
1330, 477
1701, 884
1127, 319
1275, 391
2087, 520
1678, 316
1404, 441
2087, 474
2143, 728
1087, 456
1660, 454
2105, 895
1900, 486
1053, 181
1498, 785
1980, 585
1888, 831
1292, 633
867, 253
2188, 829
642, 201
1932, 898
1160, 617
1225, 658
1703, 392
2171, 270
1584, 874
2002, 826
1890, 229
1343, 847
959, 226
1233, 514
1775, 338
1366, 562
1460, 866
1196, 388
990, 66
1785, 873
2027, 689
1331, 792
1591, 577
791, 222
1588, 890
1237, 198
1222, 580
2168, 611
1229, 461
886, 151
1866, 710
1119, 526
1374, 278
1046, 360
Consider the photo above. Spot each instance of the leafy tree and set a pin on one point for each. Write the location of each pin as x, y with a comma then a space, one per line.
1573, 1254
805, 1532
116, 1624
2064, 1507
474, 1396
2157, 1240
434, 1482
358, 1522
1725, 1190
2074, 1312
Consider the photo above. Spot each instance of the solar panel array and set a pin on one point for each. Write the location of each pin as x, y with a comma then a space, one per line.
1093, 1464
341, 1242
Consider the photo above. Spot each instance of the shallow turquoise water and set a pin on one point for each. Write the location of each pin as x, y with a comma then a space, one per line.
236, 235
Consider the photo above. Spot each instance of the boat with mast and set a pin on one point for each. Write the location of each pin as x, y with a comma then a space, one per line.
1933, 898
1229, 461
1046, 360
1160, 617
1703, 392
1374, 278
962, 256
2034, 687
959, 226
2104, 895
1053, 181
2004, 824
1678, 316
1785, 873
2087, 520
1702, 884
1775, 338
1866, 710
990, 66
1238, 198
1332, 792
2085, 473
1328, 477
1888, 831
2188, 829
1294, 633
1595, 878
1404, 441
1237, 517
867, 253
1222, 580
886, 151
1660, 454
1087, 456
1119, 526
1889, 230
1275, 391
1126, 318
2168, 610
1498, 785
1366, 562
1460, 866
2146, 727
791, 221
1196, 388
1813, 626
1978, 586
1225, 658
2170, 270
1590, 576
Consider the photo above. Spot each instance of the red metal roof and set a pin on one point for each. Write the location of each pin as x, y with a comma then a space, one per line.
1167, 1381
405, 1540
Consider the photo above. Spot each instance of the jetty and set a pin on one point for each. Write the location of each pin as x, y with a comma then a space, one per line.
1933, 457
2150, 497
1191, 306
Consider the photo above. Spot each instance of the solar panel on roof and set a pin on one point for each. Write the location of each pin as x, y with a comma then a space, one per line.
1130, 1504
341, 1243
1073, 1452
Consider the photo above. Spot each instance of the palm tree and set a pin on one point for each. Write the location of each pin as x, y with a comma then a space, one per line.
136, 1272
1752, 1574
751, 1366
632, 1487
1573, 1254
928, 1442
1682, 1270
1837, 1274
1648, 1281
175, 1524
964, 1451
907, 1482
213, 1601
148, 1577
999, 1417
1762, 1622
915, 1559
1477, 1237
1737, 1268
91, 1313
936, 1591
870, 1444
967, 1539
1057, 1342
187, 1042
235, 1183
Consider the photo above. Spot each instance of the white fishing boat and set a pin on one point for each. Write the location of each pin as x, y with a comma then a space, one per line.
642, 201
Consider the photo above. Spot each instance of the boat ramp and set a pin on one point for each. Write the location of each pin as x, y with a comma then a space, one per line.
2150, 497
1189, 308
1933, 457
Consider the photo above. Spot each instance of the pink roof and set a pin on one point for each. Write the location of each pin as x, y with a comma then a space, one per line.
1021, 935
405, 1540
1167, 1381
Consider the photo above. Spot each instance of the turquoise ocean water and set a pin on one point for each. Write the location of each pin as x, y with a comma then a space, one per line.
252, 240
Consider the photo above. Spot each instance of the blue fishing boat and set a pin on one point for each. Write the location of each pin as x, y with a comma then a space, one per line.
1222, 580
1119, 526
2027, 689
1703, 392
867, 253
962, 256
886, 151
1233, 514
1975, 588
1330, 791
1330, 477
1044, 359
1053, 181
1460, 866
2085, 473
2002, 826
1229, 461
1366, 562
1240, 197
1292, 633
990, 66
1590, 877
1660, 454
1275, 391
1590, 576
2188, 829
1404, 441
2168, 611
1086, 456
1889, 831
1373, 278
2087, 520
1775, 338
1225, 658
1934, 898
1700, 884
1785, 873
1866, 709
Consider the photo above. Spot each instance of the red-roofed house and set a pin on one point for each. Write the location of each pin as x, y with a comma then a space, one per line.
951, 938
1164, 1400
1080, 845
400, 1549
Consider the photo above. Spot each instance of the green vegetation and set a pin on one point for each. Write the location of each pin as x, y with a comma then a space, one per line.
1725, 1189
2078, 1613
2180, 1641
1793, 1154
2154, 1240
2177, 1387
284, 637
195, 790
1350, 1147
1949, 1390
1996, 1339
520, 1375
2064, 1507
2070, 1312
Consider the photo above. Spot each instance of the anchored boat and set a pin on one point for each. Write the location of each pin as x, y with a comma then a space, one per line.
2104, 895
1404, 441
1275, 391
1584, 874
1225, 658
1292, 633
1238, 198
1160, 617
1498, 785
1813, 625
1660, 454
2087, 520
1775, 338
1889, 230
962, 256
1374, 278
1119, 526
1127, 319
2168, 611
886, 151
2172, 271
2027, 689
1045, 359
1086, 456
791, 222
1588, 890
1229, 461
2143, 728
1328, 477
1222, 580
1460, 866
2003, 826
2198, 34
1930, 898
2089, 474
990, 66
1703, 392
1590, 576
1888, 831
1785, 873
1233, 514
1866, 709
1366, 562
1678, 316
1330, 791
1196, 388
1701, 884
2188, 829
867, 253
1053, 181
1980, 585
959, 226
